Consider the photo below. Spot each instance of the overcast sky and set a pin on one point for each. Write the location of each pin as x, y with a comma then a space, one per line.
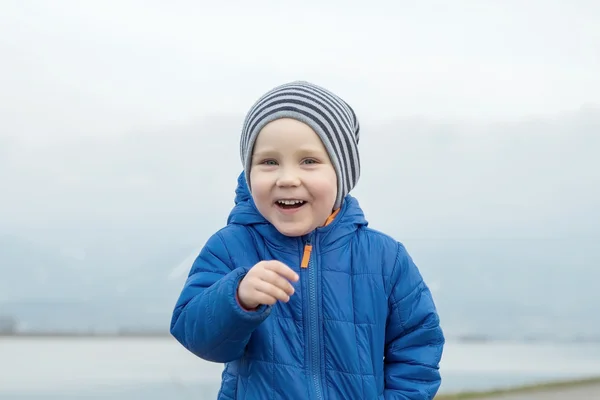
119, 124
71, 67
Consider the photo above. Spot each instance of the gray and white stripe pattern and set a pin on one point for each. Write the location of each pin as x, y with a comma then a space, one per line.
328, 115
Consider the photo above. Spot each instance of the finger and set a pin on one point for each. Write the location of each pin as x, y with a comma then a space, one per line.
263, 298
277, 280
282, 270
272, 290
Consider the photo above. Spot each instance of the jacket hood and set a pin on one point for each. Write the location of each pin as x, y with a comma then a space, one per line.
349, 219
244, 212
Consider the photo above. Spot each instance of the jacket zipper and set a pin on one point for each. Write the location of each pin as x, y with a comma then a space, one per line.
314, 344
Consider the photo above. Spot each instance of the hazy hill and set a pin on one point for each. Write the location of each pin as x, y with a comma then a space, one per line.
502, 218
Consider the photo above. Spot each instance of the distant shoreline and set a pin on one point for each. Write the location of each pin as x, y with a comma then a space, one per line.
162, 334
84, 335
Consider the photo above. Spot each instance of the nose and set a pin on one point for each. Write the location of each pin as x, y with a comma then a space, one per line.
288, 178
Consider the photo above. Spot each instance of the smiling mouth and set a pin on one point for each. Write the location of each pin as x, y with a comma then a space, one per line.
289, 204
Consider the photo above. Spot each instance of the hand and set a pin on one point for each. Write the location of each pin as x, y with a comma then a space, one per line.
265, 283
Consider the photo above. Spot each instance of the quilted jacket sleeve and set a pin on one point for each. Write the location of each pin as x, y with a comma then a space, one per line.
414, 338
207, 319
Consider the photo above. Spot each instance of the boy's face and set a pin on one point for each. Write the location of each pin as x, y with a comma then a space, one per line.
290, 165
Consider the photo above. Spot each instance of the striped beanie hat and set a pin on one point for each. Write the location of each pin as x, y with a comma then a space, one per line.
327, 114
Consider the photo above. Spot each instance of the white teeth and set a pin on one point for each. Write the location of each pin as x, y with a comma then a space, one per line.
290, 202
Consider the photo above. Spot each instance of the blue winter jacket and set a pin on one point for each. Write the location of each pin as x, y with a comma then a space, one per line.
361, 324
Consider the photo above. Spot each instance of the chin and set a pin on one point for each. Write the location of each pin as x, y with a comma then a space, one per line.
292, 231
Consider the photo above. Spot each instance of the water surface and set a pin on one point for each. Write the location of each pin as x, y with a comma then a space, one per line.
160, 368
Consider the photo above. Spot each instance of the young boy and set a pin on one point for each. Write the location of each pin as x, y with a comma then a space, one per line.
296, 295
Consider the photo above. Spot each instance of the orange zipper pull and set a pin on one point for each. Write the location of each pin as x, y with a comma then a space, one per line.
306, 256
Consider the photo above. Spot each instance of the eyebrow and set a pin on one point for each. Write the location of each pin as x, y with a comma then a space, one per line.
300, 150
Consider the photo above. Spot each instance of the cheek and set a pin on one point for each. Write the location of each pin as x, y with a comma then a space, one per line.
260, 188
326, 188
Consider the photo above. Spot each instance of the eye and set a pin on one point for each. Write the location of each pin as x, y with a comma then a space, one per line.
269, 162
310, 161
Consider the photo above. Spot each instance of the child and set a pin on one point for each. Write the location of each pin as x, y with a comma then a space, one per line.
296, 295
